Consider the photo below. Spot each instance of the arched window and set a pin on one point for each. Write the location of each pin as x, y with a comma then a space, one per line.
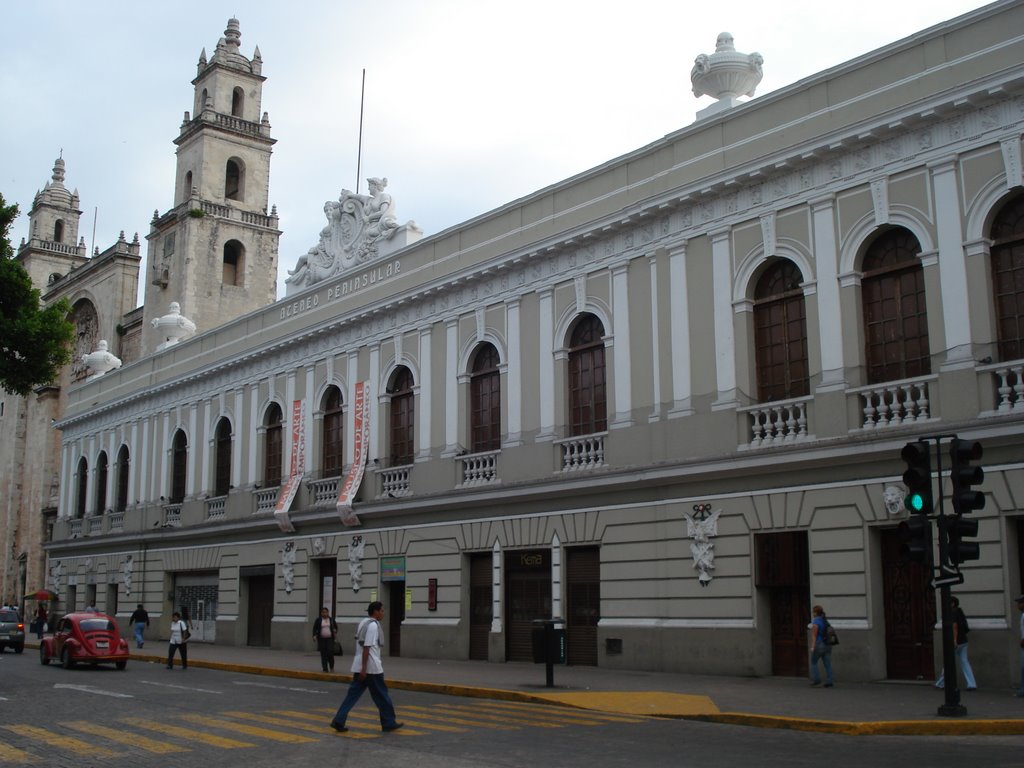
403, 415
895, 315
234, 263
234, 178
101, 483
179, 466
588, 395
237, 102
333, 443
273, 445
82, 482
780, 333
203, 98
222, 458
123, 467
187, 192
485, 401
58, 231
1008, 278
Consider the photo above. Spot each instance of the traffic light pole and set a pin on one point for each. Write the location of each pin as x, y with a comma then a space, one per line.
951, 706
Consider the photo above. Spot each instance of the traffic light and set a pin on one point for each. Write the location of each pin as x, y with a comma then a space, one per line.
918, 478
957, 549
963, 475
916, 533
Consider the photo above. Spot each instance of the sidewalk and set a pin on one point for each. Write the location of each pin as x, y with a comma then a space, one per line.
767, 702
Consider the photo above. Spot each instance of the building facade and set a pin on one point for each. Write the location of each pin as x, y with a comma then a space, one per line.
662, 401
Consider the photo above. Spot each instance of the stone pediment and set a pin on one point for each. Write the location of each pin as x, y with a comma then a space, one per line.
360, 229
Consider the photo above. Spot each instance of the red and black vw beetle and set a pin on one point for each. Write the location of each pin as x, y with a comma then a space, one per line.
87, 638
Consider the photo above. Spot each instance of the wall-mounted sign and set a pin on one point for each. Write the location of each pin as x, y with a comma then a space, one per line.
392, 568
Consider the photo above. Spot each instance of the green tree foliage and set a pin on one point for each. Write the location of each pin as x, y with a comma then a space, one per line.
35, 343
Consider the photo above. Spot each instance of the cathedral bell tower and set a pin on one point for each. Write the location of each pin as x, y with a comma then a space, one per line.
215, 251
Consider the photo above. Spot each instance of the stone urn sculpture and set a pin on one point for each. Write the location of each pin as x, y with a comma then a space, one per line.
173, 326
725, 74
100, 361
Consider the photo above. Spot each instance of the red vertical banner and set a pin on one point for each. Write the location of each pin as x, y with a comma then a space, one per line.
360, 448
297, 467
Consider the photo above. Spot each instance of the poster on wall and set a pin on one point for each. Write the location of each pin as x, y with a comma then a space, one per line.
296, 470
360, 446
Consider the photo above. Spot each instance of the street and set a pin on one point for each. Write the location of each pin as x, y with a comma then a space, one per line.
152, 716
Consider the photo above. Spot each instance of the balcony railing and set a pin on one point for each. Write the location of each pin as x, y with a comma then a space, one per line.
580, 453
479, 469
778, 423
323, 493
394, 482
172, 515
93, 526
1008, 381
75, 528
266, 500
894, 403
116, 521
216, 507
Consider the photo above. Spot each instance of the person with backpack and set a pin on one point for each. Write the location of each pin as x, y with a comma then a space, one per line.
368, 672
960, 630
822, 647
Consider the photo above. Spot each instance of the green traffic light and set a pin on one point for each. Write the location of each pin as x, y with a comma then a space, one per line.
914, 502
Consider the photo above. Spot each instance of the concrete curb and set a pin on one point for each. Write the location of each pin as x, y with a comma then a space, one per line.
945, 727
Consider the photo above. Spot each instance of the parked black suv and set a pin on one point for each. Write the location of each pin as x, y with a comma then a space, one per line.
12, 631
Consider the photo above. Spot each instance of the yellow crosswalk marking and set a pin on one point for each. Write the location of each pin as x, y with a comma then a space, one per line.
187, 733
477, 713
358, 719
14, 755
570, 716
270, 720
69, 743
430, 713
325, 725
588, 714
129, 739
248, 730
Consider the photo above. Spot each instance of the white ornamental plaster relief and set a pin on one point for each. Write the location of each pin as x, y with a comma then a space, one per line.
701, 527
892, 498
360, 229
356, 547
288, 566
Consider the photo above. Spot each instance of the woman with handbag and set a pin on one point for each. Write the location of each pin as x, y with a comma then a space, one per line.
325, 633
178, 641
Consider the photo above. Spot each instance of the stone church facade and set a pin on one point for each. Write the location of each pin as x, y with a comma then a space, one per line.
214, 254
661, 401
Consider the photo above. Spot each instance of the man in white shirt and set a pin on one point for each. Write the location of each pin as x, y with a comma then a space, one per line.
368, 672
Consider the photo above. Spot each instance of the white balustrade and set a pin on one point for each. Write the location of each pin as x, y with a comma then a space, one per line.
585, 452
479, 468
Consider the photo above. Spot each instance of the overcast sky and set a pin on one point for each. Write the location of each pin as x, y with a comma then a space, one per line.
469, 104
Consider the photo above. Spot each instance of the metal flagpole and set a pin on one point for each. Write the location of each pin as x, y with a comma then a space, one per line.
359, 155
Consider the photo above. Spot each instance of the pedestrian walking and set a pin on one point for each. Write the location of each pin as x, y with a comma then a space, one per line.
822, 650
368, 672
960, 630
42, 615
178, 641
325, 634
140, 619
1020, 607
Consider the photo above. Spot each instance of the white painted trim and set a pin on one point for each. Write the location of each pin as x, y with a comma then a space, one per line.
677, 623
430, 621
289, 620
